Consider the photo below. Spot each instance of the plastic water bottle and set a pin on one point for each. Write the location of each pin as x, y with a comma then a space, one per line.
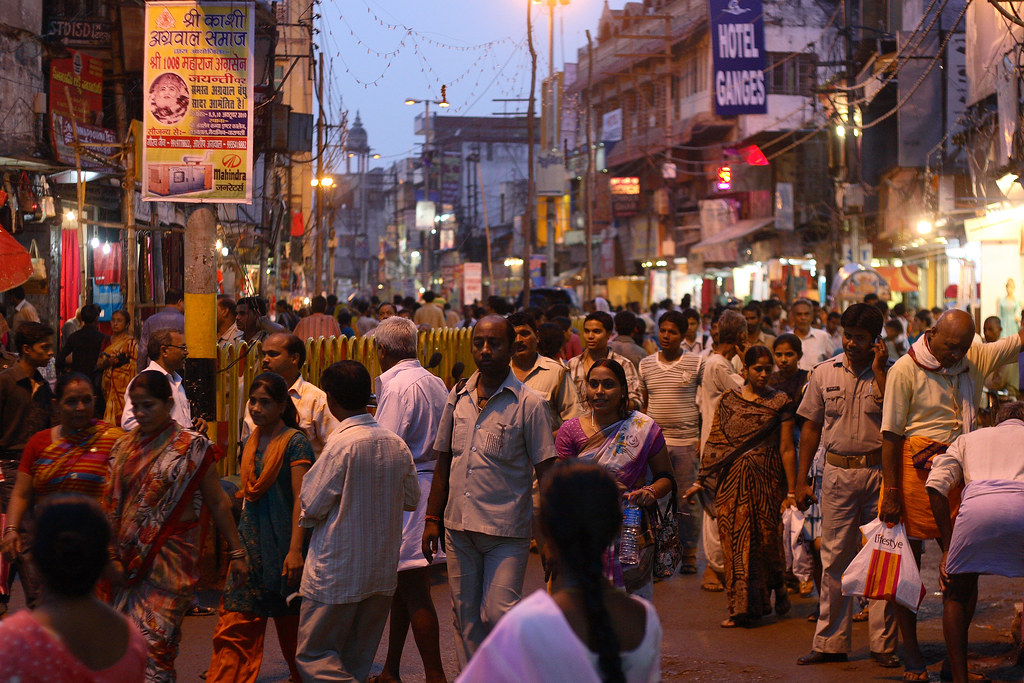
629, 550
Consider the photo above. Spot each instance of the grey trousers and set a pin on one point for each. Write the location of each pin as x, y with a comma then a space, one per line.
684, 465
485, 574
849, 499
338, 642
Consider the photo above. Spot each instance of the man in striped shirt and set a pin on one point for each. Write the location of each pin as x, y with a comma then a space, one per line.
318, 323
669, 381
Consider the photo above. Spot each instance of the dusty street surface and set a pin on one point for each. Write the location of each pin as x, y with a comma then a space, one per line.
695, 648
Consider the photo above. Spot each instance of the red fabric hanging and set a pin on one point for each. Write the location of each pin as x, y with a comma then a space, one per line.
70, 274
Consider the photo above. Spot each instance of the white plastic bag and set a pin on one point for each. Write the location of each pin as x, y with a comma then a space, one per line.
885, 568
798, 556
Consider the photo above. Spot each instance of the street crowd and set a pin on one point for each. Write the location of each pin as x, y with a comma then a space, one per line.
766, 434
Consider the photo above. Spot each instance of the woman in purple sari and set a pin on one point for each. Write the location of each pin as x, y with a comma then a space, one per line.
631, 447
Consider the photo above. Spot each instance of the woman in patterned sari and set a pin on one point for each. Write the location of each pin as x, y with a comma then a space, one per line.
747, 466
69, 458
117, 361
160, 476
628, 444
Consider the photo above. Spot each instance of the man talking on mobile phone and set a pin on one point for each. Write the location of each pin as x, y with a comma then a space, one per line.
842, 406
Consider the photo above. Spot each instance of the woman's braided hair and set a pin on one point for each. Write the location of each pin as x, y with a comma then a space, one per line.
581, 514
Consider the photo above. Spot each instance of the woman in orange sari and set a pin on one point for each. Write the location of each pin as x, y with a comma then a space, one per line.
117, 361
69, 458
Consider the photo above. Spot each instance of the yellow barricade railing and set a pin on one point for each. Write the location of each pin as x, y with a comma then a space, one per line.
239, 363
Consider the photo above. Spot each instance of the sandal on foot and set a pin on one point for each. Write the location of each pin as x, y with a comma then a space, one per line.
910, 676
712, 587
736, 622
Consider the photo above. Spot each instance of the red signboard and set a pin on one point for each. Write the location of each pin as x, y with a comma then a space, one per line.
76, 88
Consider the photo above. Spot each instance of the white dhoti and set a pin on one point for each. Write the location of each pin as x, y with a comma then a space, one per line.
411, 554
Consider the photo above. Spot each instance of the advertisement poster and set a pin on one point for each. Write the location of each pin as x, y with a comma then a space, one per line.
198, 106
738, 57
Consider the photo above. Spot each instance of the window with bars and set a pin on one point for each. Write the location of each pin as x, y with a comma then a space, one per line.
790, 74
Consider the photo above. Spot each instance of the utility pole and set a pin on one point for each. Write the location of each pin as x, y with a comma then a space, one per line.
428, 161
127, 136
531, 184
550, 143
588, 180
318, 239
850, 161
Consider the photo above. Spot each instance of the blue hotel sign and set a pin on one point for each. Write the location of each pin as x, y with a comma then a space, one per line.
738, 57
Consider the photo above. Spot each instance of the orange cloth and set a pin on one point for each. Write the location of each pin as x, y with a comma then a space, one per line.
238, 646
917, 509
253, 487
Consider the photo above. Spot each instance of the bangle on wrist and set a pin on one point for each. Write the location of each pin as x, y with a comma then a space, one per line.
8, 529
432, 518
237, 554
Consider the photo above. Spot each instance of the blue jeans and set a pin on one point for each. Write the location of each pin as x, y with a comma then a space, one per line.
485, 574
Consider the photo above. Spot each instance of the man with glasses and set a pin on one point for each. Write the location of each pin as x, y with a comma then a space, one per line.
167, 353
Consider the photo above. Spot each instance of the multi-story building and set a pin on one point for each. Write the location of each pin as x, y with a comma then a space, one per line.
685, 189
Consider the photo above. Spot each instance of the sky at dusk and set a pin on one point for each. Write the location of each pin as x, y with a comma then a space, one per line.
381, 52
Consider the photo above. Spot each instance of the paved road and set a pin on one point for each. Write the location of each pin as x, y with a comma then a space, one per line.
696, 649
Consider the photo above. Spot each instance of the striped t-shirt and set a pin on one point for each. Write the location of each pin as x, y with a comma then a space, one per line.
672, 395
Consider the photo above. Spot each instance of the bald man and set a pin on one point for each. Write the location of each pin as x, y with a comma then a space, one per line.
930, 399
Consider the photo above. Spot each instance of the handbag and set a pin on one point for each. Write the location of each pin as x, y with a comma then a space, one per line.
668, 551
38, 264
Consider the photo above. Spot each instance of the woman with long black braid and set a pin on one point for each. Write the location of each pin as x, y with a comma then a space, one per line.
586, 631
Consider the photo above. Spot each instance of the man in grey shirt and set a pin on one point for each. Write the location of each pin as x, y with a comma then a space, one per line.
494, 435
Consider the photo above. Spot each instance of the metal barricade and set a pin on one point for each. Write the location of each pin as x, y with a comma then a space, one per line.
239, 363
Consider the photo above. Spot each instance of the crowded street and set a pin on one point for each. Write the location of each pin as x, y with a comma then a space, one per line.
524, 341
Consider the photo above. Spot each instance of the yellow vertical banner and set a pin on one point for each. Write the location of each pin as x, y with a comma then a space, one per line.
564, 212
542, 221
198, 107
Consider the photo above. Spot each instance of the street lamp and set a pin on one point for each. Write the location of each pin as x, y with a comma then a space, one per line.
426, 239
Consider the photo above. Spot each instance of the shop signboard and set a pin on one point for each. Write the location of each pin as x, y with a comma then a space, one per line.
68, 22
625, 194
611, 126
472, 282
198, 108
784, 218
738, 57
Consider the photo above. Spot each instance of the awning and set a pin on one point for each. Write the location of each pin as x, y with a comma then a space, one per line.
17, 262
569, 274
735, 231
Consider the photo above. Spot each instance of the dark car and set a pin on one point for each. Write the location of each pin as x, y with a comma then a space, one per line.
549, 296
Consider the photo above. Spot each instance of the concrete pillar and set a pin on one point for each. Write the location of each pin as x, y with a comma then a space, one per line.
201, 313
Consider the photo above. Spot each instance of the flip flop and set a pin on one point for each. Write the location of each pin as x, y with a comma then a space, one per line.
712, 587
910, 676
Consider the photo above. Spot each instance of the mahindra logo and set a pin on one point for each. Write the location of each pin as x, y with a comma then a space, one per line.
231, 161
